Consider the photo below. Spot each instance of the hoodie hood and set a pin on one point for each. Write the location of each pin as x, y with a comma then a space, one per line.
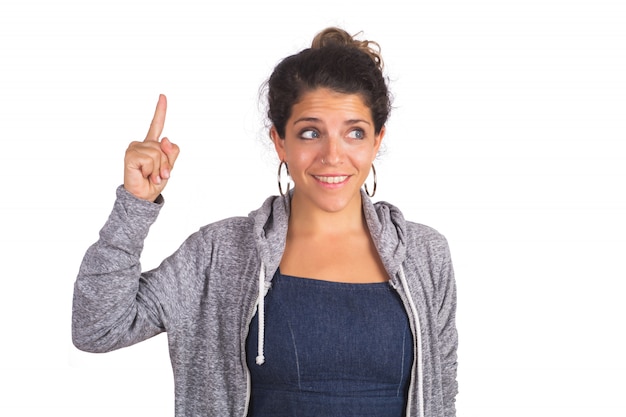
387, 227
385, 222
270, 231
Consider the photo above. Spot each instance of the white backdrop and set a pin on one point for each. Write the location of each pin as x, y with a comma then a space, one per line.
507, 136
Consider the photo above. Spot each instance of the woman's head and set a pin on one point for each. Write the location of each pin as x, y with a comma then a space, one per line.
335, 61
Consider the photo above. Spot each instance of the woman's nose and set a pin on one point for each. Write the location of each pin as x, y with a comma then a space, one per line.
332, 151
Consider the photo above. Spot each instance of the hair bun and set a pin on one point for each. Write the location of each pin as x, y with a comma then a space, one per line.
339, 37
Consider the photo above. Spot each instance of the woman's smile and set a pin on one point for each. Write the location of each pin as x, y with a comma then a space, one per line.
331, 179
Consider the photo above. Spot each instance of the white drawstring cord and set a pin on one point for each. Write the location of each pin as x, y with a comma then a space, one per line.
418, 330
260, 359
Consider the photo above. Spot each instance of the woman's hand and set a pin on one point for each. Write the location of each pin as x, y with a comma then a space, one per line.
148, 164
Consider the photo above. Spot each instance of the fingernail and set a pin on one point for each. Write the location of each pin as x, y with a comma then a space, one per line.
166, 174
157, 179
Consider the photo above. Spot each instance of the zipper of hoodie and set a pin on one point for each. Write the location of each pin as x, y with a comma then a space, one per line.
245, 364
248, 392
417, 354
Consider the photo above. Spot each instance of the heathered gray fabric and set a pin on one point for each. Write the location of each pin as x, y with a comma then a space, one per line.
204, 296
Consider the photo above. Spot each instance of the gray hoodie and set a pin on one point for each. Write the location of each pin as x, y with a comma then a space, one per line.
206, 293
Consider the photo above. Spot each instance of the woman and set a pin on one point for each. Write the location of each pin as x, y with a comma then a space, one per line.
318, 303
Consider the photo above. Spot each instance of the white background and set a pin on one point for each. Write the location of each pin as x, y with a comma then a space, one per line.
507, 136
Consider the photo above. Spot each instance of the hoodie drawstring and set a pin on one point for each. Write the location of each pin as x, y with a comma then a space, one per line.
260, 359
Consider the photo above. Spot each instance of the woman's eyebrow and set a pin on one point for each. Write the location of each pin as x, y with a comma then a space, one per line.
315, 120
306, 119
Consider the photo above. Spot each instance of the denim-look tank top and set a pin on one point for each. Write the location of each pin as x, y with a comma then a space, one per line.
331, 349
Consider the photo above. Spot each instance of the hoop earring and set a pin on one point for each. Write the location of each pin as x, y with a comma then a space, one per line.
367, 191
280, 186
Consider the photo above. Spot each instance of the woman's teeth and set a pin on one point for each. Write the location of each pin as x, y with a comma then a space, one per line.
332, 180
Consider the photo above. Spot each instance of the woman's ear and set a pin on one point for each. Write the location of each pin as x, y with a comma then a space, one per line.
378, 141
279, 143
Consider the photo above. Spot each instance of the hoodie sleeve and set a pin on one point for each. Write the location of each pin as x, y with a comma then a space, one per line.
115, 304
448, 338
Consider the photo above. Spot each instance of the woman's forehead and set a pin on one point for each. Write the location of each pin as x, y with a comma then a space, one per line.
327, 102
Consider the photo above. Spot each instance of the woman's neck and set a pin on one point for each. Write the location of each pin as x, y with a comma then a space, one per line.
309, 220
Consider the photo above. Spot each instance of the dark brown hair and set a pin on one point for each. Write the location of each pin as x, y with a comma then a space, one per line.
337, 61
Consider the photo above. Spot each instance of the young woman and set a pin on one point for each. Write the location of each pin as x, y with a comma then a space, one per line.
319, 303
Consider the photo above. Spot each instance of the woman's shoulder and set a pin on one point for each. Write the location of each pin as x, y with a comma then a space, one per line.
424, 232
426, 240
231, 228
260, 221
412, 229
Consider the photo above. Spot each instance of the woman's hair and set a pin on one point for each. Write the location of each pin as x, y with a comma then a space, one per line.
337, 61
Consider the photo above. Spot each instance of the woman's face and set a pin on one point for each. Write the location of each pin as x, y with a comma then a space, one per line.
329, 146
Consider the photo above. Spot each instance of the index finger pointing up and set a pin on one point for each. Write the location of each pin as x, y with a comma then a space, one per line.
156, 127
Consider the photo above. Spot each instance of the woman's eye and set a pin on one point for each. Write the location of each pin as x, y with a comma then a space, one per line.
357, 134
309, 134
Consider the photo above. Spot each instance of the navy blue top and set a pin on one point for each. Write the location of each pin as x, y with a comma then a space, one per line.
331, 349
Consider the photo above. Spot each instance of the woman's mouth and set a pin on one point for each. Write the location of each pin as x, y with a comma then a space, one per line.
335, 179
